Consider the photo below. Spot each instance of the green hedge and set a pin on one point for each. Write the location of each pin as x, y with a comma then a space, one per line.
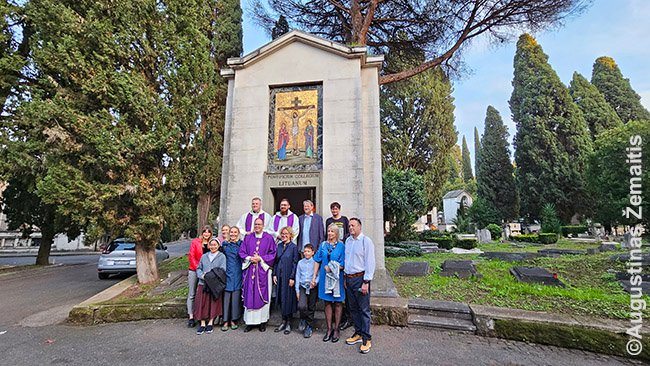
495, 231
445, 242
528, 238
573, 229
548, 238
402, 249
466, 243
430, 235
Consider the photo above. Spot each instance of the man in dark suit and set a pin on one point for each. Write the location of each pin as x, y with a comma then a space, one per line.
312, 230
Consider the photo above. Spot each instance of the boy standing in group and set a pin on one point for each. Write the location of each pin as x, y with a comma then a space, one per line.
307, 294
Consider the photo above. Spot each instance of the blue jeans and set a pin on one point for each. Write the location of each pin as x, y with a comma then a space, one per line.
359, 306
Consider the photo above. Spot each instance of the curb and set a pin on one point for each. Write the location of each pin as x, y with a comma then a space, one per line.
386, 310
561, 330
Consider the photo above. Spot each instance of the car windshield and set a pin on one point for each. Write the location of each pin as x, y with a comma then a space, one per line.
120, 246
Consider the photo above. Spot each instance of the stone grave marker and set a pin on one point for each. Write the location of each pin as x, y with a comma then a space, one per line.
510, 256
535, 275
413, 269
559, 252
625, 257
627, 239
484, 236
460, 268
608, 246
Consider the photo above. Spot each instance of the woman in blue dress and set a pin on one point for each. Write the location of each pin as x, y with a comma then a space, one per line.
330, 259
232, 302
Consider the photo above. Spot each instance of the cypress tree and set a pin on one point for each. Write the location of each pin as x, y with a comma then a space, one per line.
495, 175
467, 162
552, 140
597, 112
477, 150
280, 27
608, 79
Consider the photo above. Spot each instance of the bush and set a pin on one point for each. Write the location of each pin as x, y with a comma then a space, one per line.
527, 238
444, 242
550, 221
548, 238
495, 231
573, 230
466, 243
402, 249
430, 235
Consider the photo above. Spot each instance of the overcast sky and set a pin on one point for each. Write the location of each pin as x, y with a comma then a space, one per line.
616, 28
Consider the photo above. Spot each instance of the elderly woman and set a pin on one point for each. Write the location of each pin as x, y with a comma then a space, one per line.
330, 260
206, 306
284, 276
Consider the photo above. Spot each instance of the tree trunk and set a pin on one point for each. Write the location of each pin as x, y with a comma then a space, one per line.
203, 205
43, 257
146, 266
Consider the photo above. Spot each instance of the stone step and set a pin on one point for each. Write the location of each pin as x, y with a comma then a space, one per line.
440, 323
441, 314
439, 306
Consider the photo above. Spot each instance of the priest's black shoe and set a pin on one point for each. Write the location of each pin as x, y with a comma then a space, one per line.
248, 328
263, 327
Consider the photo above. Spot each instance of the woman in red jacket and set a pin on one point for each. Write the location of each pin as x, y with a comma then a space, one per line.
197, 248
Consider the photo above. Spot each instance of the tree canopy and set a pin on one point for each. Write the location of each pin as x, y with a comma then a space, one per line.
552, 141
600, 116
495, 175
437, 29
608, 79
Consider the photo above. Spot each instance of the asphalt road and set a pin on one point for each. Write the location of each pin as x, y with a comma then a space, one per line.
169, 342
44, 296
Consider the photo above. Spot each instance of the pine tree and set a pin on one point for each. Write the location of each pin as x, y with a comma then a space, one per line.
418, 127
467, 163
597, 112
225, 41
608, 79
495, 175
552, 141
477, 150
124, 93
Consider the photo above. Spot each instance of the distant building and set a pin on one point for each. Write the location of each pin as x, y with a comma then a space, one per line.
451, 202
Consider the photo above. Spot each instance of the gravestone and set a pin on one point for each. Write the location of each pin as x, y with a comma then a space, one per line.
510, 256
643, 258
484, 236
413, 269
459, 268
623, 279
302, 122
540, 275
608, 246
627, 240
559, 252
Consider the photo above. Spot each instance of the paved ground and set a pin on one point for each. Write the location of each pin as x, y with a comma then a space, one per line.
168, 342
34, 302
60, 259
46, 295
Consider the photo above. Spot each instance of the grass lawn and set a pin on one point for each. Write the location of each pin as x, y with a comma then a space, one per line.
590, 289
139, 294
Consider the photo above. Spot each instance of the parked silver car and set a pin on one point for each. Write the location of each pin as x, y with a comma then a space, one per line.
119, 257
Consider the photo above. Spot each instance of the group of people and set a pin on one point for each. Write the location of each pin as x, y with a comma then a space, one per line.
301, 258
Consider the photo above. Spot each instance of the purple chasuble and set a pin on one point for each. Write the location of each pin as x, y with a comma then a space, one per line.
249, 221
276, 221
256, 291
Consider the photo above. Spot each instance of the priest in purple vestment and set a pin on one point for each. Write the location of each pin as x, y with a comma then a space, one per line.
258, 254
